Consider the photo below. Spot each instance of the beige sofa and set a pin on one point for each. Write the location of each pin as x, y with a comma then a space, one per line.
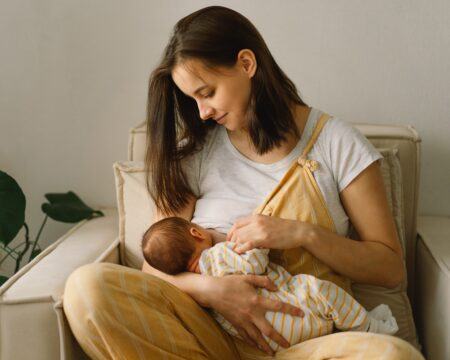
32, 321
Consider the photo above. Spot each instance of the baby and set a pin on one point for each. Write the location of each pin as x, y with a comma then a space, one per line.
174, 245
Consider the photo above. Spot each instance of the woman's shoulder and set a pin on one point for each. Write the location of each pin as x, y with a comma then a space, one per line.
338, 133
335, 127
345, 150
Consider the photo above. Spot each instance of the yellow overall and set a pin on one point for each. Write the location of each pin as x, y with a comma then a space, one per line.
116, 312
298, 197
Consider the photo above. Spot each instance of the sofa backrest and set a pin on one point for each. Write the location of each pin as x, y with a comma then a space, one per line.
403, 138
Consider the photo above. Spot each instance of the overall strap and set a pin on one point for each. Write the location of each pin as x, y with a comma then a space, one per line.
303, 160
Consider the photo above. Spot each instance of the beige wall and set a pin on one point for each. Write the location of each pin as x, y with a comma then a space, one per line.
73, 80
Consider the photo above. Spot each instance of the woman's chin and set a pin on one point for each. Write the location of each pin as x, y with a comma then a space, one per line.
232, 127
228, 126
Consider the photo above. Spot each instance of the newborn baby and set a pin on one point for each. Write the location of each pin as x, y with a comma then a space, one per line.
174, 245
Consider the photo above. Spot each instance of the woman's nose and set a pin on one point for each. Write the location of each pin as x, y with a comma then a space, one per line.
205, 112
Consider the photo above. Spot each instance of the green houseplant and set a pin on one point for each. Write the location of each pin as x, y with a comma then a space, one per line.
63, 207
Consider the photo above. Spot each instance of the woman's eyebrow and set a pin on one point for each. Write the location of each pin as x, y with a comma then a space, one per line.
196, 91
200, 89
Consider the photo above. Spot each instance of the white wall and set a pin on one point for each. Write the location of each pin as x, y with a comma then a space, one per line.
73, 80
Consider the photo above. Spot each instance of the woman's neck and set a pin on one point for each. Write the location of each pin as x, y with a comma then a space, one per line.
242, 142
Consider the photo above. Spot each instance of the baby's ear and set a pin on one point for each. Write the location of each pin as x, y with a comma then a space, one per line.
196, 233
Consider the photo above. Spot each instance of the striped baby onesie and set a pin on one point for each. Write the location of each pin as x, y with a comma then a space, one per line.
326, 306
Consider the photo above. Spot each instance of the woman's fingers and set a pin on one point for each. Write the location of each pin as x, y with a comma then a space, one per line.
244, 245
256, 336
261, 281
237, 224
242, 248
267, 329
245, 336
279, 306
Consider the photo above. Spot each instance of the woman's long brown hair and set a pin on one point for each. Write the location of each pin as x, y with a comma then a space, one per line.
214, 35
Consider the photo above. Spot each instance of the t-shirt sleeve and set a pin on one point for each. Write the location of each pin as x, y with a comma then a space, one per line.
349, 151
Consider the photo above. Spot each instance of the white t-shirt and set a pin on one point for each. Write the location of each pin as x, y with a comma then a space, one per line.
228, 185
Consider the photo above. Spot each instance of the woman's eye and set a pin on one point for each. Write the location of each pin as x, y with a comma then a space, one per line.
208, 95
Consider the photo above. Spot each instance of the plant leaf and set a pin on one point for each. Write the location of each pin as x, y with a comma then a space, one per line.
35, 253
68, 208
12, 208
64, 198
3, 279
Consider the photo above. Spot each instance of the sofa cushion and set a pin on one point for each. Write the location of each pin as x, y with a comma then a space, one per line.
135, 208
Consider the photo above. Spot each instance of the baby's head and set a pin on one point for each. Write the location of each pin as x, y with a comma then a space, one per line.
173, 245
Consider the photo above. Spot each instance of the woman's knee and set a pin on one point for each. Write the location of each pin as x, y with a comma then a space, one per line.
91, 285
83, 286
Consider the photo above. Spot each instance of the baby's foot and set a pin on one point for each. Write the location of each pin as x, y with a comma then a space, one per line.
381, 312
382, 321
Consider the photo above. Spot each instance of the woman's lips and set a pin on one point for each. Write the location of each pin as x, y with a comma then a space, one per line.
220, 120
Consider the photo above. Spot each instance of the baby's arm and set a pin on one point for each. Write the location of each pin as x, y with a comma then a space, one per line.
254, 261
221, 260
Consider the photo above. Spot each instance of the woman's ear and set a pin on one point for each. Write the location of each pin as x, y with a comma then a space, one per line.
248, 61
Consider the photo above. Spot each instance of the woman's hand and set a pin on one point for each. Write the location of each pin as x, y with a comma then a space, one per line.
236, 299
269, 232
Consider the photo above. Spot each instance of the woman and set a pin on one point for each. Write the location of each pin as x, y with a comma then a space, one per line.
224, 125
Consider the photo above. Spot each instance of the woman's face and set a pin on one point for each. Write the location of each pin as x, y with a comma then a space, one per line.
223, 96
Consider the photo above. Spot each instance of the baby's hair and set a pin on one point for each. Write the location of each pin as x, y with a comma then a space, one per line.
167, 245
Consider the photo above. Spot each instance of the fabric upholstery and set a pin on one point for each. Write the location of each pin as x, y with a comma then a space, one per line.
32, 323
433, 285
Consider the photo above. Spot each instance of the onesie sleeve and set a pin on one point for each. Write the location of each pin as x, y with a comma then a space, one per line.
254, 261
348, 151
221, 260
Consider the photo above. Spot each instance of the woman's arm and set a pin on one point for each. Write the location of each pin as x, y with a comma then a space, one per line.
376, 259
195, 285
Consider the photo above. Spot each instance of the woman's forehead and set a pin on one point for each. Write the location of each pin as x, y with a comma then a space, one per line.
184, 73
190, 75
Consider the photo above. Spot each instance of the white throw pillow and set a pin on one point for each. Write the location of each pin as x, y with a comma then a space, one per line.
135, 207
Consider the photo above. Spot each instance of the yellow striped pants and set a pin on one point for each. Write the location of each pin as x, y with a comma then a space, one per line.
116, 312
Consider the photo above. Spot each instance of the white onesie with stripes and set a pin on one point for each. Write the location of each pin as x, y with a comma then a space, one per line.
325, 304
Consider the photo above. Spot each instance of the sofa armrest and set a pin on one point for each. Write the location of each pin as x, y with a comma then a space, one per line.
32, 324
433, 285
87, 242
